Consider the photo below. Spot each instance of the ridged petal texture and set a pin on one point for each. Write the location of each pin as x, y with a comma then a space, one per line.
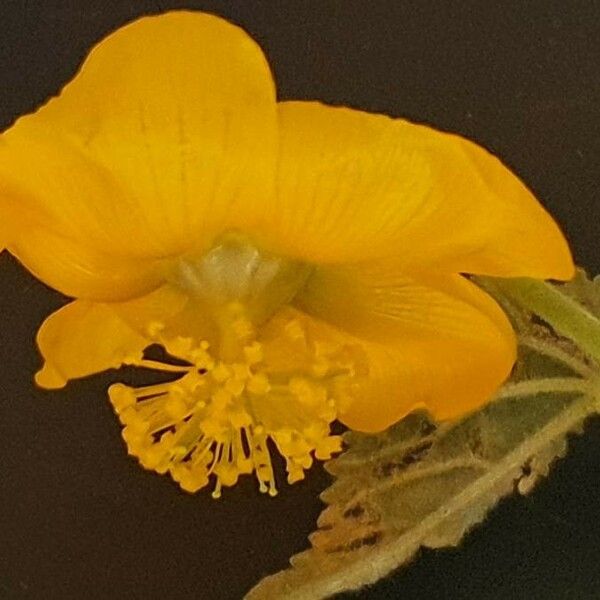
431, 341
350, 234
354, 186
165, 137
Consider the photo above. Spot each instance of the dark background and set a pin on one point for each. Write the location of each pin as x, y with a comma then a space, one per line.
79, 519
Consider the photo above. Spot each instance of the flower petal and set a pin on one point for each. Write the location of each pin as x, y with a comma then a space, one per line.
82, 272
62, 190
355, 186
86, 337
177, 114
434, 341
78, 247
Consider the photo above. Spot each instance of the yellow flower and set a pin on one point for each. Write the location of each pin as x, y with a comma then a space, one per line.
302, 262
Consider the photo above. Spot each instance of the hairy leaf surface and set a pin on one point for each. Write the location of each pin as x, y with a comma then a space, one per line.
426, 484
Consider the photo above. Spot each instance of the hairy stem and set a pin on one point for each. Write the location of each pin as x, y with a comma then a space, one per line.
548, 385
566, 316
545, 348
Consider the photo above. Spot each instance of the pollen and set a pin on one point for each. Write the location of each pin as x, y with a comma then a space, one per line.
230, 408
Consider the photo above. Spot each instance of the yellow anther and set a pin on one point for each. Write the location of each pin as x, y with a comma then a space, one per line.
328, 446
211, 427
258, 384
189, 480
235, 386
134, 421
254, 353
315, 431
299, 447
284, 437
295, 473
241, 371
181, 346
122, 397
194, 381
135, 440
152, 457
221, 373
221, 398
178, 453
176, 407
294, 330
327, 413
201, 359
227, 473
240, 419
306, 461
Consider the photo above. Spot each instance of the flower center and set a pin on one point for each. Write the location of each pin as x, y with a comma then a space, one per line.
271, 379
236, 271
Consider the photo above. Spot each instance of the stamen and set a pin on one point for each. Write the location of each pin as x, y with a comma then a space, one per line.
216, 421
159, 366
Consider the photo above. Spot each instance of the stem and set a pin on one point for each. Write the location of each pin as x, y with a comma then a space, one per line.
557, 353
566, 316
549, 385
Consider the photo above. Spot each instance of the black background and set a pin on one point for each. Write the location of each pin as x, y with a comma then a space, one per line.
79, 519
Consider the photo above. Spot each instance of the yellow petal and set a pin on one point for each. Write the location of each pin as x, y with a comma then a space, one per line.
47, 182
355, 186
82, 272
177, 116
86, 337
433, 341
80, 248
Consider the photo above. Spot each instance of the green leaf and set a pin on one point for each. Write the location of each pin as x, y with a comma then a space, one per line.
422, 484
